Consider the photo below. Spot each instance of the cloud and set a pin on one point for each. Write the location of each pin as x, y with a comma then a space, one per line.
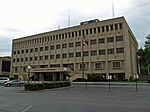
5, 46
21, 18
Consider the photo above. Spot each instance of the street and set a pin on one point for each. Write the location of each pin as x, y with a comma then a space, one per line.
97, 98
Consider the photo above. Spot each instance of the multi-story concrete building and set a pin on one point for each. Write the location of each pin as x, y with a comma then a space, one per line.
111, 51
5, 66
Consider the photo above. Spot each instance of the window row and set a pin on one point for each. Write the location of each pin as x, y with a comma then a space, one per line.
65, 45
106, 28
71, 55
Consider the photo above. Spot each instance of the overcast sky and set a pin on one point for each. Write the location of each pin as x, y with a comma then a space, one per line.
19, 18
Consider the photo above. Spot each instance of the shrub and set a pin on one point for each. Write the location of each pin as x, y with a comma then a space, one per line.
95, 77
34, 86
45, 85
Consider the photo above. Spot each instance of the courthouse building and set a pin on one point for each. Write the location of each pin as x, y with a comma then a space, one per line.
110, 50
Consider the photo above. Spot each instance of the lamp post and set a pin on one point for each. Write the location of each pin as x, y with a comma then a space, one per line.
67, 78
109, 78
28, 69
136, 77
86, 77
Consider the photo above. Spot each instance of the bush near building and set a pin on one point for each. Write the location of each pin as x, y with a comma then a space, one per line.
45, 85
95, 77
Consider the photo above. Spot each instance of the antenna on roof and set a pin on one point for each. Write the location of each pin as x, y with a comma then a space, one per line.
58, 26
69, 19
113, 12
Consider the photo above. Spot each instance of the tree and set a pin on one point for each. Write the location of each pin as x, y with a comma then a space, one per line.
144, 54
147, 42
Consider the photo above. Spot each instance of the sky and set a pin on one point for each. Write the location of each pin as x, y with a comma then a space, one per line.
20, 18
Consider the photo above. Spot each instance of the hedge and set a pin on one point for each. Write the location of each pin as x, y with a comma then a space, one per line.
45, 85
34, 86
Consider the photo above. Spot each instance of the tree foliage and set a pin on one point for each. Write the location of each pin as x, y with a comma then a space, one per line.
144, 54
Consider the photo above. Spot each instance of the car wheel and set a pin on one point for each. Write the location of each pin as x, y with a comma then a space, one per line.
8, 85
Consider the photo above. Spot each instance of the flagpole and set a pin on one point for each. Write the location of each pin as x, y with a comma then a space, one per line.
82, 59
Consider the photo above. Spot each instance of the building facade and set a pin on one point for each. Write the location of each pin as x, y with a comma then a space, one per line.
111, 51
5, 63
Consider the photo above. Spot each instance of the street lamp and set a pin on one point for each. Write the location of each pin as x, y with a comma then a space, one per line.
136, 77
28, 69
86, 77
109, 78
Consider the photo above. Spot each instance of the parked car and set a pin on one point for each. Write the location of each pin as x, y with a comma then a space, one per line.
14, 82
4, 79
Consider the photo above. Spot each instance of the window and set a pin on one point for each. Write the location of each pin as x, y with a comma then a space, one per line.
41, 57
26, 59
57, 56
26, 50
87, 32
93, 53
110, 39
107, 28
90, 31
71, 55
78, 54
93, 42
79, 33
110, 51
64, 55
69, 35
14, 52
36, 49
116, 26
116, 64
46, 48
14, 60
18, 52
82, 66
66, 35
64, 46
119, 38
46, 57
31, 58
58, 46
76, 34
99, 65
21, 59
102, 40
52, 47
36, 58
120, 50
82, 32
31, 50
51, 56
120, 25
17, 59
71, 44
86, 53
111, 27
62, 36
103, 29
78, 44
102, 52
94, 30
22, 51
99, 30
41, 48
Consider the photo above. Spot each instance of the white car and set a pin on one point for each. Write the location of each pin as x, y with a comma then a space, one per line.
14, 82
4, 79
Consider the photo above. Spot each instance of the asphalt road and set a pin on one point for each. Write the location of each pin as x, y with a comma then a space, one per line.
97, 98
